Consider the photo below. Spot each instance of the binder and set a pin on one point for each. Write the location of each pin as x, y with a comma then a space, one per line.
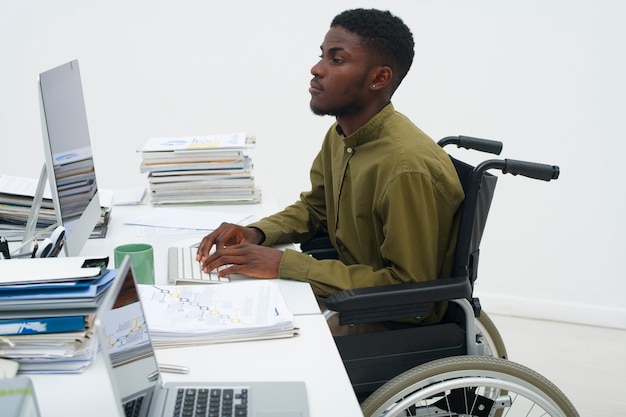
41, 270
42, 325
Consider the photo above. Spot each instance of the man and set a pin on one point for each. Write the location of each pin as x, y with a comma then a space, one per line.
385, 193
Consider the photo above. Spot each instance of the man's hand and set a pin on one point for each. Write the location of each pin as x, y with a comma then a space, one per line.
227, 234
245, 258
237, 250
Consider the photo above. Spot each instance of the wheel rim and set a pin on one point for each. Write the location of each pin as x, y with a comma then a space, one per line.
449, 385
507, 386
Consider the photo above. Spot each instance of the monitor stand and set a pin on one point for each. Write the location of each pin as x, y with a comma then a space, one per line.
31, 224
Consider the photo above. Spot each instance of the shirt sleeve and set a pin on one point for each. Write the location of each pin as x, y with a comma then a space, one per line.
417, 222
302, 220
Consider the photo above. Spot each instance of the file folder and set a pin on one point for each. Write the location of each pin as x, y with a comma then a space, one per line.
40, 270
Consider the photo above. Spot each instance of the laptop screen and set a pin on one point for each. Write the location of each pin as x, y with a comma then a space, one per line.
124, 338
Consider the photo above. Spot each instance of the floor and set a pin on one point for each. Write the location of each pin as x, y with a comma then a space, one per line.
587, 363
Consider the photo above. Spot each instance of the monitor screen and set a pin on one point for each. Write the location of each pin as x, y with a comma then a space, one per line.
67, 149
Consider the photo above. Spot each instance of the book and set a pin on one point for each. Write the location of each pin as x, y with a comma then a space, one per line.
16, 198
206, 142
185, 166
199, 169
42, 325
212, 155
48, 298
46, 270
62, 352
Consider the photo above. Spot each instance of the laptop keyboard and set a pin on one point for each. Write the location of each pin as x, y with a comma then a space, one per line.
132, 408
214, 402
183, 268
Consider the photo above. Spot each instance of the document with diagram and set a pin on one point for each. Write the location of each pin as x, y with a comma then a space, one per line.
190, 314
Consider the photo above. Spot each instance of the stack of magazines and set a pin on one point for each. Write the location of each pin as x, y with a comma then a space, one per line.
16, 199
47, 310
200, 169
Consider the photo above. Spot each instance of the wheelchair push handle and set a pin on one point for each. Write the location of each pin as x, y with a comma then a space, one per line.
468, 142
524, 168
531, 170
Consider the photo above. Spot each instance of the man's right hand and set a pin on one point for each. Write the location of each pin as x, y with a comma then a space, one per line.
227, 234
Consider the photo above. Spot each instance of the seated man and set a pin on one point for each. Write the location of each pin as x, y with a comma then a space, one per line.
385, 193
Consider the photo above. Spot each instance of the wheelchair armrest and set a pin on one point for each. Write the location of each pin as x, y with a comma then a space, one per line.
396, 301
319, 247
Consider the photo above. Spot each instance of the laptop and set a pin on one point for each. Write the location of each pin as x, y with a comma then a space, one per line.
134, 373
17, 397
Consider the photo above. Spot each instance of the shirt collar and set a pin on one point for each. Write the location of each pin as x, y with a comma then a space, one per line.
364, 133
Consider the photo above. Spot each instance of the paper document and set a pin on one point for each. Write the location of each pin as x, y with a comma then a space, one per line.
187, 314
129, 196
66, 352
21, 186
187, 219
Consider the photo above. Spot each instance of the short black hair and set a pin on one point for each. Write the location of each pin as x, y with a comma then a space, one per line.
383, 34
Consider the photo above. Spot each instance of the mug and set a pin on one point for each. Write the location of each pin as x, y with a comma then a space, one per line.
141, 260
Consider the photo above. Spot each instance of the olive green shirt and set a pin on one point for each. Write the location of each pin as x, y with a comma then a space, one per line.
387, 195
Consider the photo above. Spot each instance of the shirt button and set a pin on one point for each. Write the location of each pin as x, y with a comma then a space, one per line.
349, 150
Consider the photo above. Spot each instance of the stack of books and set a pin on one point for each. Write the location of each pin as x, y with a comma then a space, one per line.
16, 199
200, 169
47, 323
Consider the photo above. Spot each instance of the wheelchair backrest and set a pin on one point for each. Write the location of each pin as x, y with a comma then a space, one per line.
479, 188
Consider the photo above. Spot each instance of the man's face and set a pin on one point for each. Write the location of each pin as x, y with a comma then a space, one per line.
340, 81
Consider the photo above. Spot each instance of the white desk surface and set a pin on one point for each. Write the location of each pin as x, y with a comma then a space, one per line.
310, 356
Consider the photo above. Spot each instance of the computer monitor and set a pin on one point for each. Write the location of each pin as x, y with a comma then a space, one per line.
67, 148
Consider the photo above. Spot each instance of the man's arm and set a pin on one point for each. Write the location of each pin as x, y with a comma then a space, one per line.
420, 230
302, 220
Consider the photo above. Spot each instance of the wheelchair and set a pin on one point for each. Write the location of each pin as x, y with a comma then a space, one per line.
459, 366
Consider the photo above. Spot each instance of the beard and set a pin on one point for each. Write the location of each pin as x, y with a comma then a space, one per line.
344, 109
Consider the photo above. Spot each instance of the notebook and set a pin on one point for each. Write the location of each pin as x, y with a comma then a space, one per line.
139, 389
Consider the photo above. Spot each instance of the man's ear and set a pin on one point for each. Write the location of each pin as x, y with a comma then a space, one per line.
381, 77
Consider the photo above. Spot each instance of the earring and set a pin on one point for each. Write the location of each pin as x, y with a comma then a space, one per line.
373, 85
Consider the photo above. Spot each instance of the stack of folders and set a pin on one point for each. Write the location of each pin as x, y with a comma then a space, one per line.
186, 315
16, 199
47, 309
200, 169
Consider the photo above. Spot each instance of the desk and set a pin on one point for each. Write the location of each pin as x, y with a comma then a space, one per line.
311, 356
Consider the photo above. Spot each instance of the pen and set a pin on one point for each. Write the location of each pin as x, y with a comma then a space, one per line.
174, 369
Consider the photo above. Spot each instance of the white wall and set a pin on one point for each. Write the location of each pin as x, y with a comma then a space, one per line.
545, 77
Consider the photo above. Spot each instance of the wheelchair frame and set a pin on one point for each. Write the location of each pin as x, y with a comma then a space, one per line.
470, 377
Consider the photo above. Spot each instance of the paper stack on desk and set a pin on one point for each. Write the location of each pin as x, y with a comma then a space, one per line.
63, 352
191, 314
16, 199
199, 169
46, 324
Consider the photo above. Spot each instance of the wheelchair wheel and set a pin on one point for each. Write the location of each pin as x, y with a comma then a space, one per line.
469, 386
494, 345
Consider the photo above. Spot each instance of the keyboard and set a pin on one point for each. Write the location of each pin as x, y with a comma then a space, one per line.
133, 407
184, 269
213, 402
